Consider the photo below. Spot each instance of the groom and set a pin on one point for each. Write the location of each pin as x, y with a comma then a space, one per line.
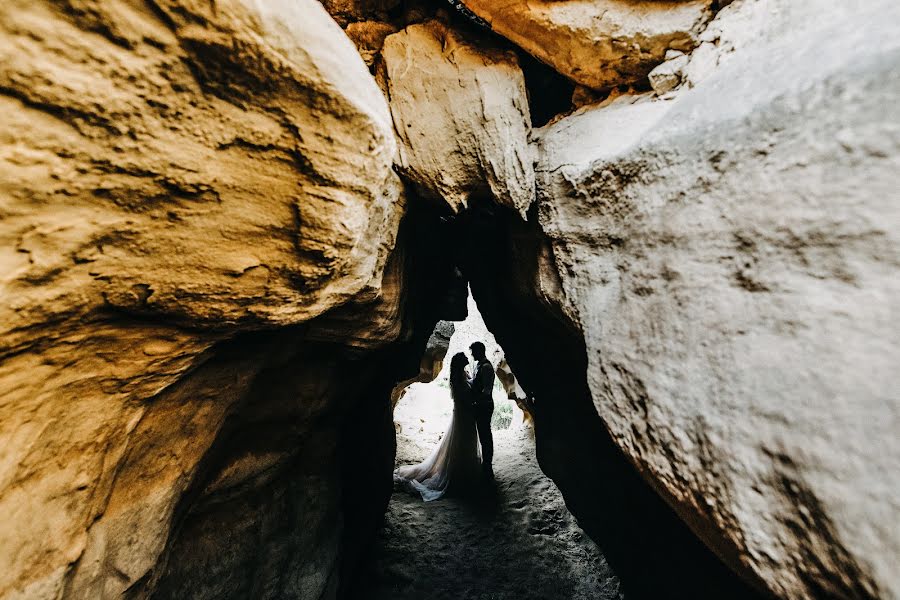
482, 399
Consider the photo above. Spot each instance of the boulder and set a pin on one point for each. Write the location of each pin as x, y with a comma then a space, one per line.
599, 44
461, 115
732, 258
667, 76
170, 172
170, 178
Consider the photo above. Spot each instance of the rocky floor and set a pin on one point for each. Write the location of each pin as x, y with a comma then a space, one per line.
513, 541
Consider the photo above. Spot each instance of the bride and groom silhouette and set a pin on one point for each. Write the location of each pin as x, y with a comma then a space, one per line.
456, 463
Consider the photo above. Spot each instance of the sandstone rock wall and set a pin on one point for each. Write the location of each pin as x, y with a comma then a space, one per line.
289, 486
132, 136
206, 297
731, 257
170, 174
511, 266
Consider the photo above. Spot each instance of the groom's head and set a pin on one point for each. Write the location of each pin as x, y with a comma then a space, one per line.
478, 351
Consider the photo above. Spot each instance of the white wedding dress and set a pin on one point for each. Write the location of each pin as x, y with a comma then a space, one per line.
456, 462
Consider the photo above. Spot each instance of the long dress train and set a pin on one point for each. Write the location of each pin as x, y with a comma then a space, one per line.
455, 463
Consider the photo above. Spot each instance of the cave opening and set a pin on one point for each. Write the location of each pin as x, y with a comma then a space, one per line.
233, 227
511, 536
488, 257
651, 549
423, 407
297, 482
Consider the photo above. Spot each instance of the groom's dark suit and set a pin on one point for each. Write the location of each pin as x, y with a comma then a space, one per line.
483, 401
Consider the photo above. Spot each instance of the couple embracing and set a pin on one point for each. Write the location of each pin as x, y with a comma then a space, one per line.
456, 463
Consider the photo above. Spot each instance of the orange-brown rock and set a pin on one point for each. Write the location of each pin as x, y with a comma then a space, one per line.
168, 177
598, 43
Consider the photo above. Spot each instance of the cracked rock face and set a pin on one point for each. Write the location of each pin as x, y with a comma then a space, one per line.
599, 44
168, 177
461, 115
732, 259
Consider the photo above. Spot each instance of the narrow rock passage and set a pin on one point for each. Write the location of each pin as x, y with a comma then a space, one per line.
517, 542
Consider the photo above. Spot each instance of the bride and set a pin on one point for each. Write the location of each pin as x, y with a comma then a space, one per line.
455, 463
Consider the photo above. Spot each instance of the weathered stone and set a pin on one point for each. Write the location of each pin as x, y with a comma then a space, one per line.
350, 11
170, 177
514, 277
667, 76
369, 38
582, 96
432, 359
732, 258
736, 26
203, 307
599, 44
461, 115
177, 176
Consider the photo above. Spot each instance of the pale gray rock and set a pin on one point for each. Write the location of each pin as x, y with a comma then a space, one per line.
667, 76
732, 257
461, 115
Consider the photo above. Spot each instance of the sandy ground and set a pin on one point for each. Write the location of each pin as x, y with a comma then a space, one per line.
514, 540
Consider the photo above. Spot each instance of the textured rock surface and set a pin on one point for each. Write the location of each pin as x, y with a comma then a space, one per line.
369, 38
351, 11
293, 486
598, 43
511, 266
157, 138
461, 115
205, 300
432, 359
667, 76
437, 347
732, 259
168, 176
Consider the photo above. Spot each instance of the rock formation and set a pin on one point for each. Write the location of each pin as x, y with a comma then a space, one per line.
214, 279
170, 177
726, 257
461, 116
599, 44
432, 359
